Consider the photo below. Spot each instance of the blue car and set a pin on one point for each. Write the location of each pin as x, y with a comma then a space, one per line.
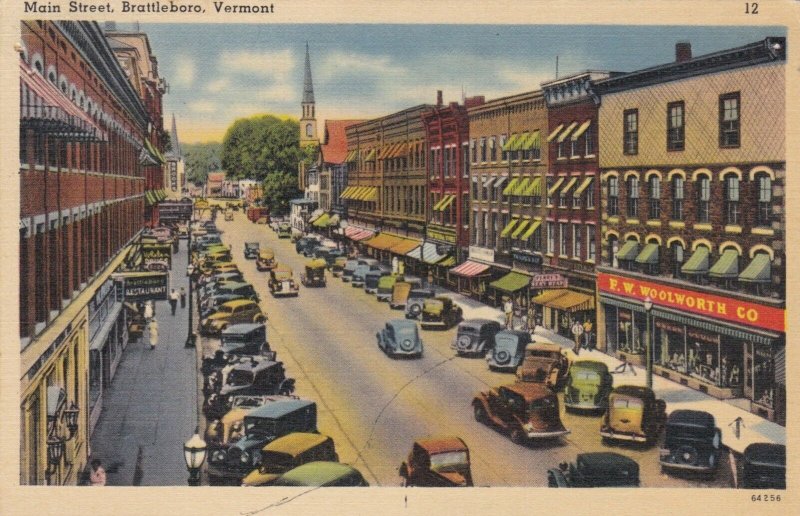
400, 337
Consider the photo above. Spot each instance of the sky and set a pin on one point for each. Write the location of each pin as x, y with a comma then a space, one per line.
220, 72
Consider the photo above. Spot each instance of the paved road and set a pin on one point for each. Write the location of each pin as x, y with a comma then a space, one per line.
374, 407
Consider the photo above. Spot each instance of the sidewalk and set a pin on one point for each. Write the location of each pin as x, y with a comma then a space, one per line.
150, 407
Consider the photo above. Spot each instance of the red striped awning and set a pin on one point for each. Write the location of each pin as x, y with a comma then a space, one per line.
356, 233
469, 269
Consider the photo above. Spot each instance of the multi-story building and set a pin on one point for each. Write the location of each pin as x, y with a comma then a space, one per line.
82, 128
692, 157
567, 243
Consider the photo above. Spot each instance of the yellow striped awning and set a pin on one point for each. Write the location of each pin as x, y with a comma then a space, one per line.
569, 185
370, 194
447, 262
522, 186
552, 189
520, 228
583, 186
358, 192
371, 155
555, 133
400, 149
510, 186
448, 201
533, 141
439, 203
531, 229
509, 145
520, 141
346, 193
535, 188
565, 133
509, 227
351, 156
582, 129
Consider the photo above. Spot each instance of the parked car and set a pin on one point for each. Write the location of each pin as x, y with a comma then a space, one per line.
288, 452
214, 301
284, 229
598, 469
545, 363
372, 278
244, 339
400, 291
337, 267
440, 312
251, 250
415, 300
364, 266
281, 415
524, 410
322, 474
437, 462
302, 242
241, 288
205, 240
232, 312
220, 433
508, 350
247, 377
348, 269
265, 259
314, 275
386, 286
588, 385
400, 337
691, 442
331, 255
763, 466
475, 336
634, 415
281, 282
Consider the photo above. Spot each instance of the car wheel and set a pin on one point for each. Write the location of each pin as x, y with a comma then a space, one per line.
480, 414
259, 319
518, 436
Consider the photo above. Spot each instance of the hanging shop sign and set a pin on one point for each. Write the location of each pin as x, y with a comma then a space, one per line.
441, 235
528, 258
143, 286
481, 253
157, 257
551, 280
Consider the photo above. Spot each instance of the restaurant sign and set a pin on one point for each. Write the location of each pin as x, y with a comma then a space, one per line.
141, 286
701, 303
553, 280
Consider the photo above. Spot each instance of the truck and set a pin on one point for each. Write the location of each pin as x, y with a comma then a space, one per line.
254, 213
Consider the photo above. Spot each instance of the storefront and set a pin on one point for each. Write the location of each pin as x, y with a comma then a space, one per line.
727, 347
558, 306
430, 258
513, 285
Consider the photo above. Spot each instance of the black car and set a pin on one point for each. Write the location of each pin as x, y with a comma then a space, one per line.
303, 243
691, 442
240, 288
764, 466
244, 339
330, 255
599, 469
475, 336
415, 301
251, 375
251, 250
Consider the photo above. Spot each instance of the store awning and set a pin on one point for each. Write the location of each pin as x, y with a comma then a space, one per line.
565, 300
565, 133
583, 186
521, 141
315, 215
510, 186
404, 246
149, 198
154, 152
649, 254
427, 253
346, 192
351, 156
509, 145
358, 192
383, 241
569, 185
531, 229
548, 295
334, 220
582, 129
488, 182
511, 282
439, 203
322, 221
356, 233
520, 228
697, 263
370, 155
522, 186
500, 181
534, 188
758, 271
555, 132
469, 269
554, 187
448, 200
532, 141
727, 266
399, 150
509, 227
629, 251
371, 195
447, 262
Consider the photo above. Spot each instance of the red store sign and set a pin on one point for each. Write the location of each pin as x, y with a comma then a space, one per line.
710, 305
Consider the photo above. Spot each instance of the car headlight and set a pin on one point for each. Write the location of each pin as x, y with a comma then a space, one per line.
245, 458
256, 458
527, 427
218, 456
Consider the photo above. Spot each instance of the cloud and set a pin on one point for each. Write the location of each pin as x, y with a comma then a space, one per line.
218, 85
278, 64
353, 65
184, 71
202, 106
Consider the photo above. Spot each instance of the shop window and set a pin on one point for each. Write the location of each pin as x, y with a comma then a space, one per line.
704, 199
654, 188
763, 375
633, 197
729, 127
613, 196
630, 138
669, 346
677, 198
675, 126
764, 185
631, 331
732, 199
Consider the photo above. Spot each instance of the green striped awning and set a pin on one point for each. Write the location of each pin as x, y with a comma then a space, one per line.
511, 282
554, 187
509, 227
149, 198
569, 185
370, 156
510, 186
448, 200
697, 263
629, 251
322, 221
758, 271
727, 266
520, 228
520, 141
649, 254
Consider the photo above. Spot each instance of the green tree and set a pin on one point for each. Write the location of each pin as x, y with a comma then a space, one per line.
279, 188
256, 147
201, 158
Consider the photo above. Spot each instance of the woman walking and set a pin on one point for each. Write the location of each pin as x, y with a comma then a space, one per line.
153, 333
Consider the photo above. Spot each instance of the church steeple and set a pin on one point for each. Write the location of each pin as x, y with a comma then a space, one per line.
308, 120
173, 138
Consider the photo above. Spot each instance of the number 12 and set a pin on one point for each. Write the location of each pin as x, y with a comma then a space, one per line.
751, 8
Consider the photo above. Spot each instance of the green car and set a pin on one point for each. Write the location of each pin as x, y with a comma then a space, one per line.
322, 474
588, 386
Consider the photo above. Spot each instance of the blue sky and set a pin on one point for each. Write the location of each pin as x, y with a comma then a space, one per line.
220, 72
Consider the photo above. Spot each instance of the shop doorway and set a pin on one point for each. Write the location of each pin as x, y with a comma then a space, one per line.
748, 370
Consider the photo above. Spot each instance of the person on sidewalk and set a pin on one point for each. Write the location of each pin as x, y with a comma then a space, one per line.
530, 320
149, 311
430, 278
508, 310
153, 333
625, 365
587, 334
173, 300
395, 266
183, 297
98, 475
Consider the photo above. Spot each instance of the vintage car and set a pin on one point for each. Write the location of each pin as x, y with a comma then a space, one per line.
251, 250
322, 474
437, 462
265, 260
241, 288
545, 363
400, 291
415, 300
524, 410
230, 428
364, 266
279, 416
244, 339
440, 312
302, 242
348, 269
281, 282
508, 350
372, 278
386, 285
217, 267
232, 312
288, 452
633, 415
598, 469
216, 368
331, 255
763, 466
212, 303
400, 337
588, 385
314, 275
205, 240
284, 230
475, 336
691, 442
337, 267
258, 375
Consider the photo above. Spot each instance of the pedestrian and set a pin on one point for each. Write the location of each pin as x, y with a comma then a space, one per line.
395, 266
148, 310
98, 475
153, 333
508, 310
430, 278
173, 300
183, 297
587, 334
531, 319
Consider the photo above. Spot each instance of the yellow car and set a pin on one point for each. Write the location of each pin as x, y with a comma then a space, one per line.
233, 312
288, 452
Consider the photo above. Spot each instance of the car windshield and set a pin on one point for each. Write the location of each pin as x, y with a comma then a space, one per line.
246, 402
449, 461
588, 376
261, 427
630, 403
434, 303
251, 246
226, 309
283, 275
276, 462
507, 341
406, 331
542, 353
689, 431
543, 403
238, 378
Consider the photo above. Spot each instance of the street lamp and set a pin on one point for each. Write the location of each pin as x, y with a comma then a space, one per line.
190, 271
648, 305
194, 453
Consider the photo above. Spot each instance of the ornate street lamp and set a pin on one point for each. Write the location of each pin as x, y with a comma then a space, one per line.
648, 305
55, 452
71, 419
194, 453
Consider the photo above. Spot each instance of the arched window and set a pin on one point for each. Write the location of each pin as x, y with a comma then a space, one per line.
613, 248
676, 251
677, 197
632, 184
732, 199
654, 189
764, 186
703, 199
613, 196
309, 130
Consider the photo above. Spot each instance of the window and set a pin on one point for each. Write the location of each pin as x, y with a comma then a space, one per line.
613, 247
590, 197
551, 237
309, 130
633, 197
562, 200
591, 245
492, 149
764, 185
465, 160
677, 259
576, 201
575, 151
654, 187
483, 150
561, 149
503, 152
630, 138
729, 113
589, 141
731, 199
703, 199
474, 150
475, 231
677, 198
613, 196
564, 241
576, 241
675, 126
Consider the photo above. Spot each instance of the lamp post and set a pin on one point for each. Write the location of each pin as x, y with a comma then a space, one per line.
194, 453
648, 305
190, 271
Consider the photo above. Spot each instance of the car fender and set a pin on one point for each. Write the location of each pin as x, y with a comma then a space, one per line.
556, 478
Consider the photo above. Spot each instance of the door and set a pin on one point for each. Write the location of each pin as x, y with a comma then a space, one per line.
748, 370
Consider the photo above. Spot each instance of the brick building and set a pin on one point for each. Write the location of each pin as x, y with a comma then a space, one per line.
693, 260
82, 128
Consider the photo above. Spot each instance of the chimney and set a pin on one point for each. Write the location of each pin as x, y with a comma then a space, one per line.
438, 97
683, 51
474, 101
